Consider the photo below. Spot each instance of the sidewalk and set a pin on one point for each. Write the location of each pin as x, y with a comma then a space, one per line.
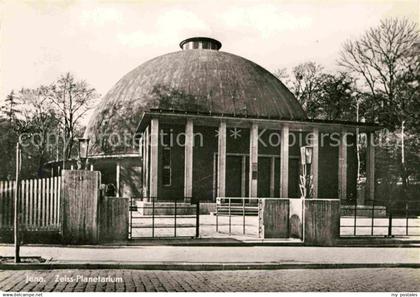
204, 258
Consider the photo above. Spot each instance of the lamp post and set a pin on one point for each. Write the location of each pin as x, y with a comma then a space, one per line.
16, 223
305, 184
83, 153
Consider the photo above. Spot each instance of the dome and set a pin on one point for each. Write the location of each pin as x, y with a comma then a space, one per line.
200, 78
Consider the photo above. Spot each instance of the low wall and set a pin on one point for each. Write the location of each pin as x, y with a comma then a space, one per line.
295, 218
207, 207
283, 218
322, 221
113, 219
275, 218
31, 236
363, 211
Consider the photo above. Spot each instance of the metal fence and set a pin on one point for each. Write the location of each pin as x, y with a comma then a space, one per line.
39, 204
381, 218
168, 218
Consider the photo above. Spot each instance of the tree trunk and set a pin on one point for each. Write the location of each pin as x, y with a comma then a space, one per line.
357, 143
403, 167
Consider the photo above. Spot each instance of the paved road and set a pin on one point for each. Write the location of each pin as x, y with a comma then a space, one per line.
383, 280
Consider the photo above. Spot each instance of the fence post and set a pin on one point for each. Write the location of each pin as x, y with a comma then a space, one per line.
24, 201
243, 215
153, 217
130, 213
390, 220
43, 203
16, 204
230, 218
217, 215
259, 217
175, 217
37, 206
57, 200
197, 219
373, 217
30, 205
47, 201
406, 218
355, 216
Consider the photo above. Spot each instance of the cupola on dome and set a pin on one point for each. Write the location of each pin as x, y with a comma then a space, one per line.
200, 43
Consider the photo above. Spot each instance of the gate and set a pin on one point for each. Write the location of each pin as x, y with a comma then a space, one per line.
238, 216
163, 218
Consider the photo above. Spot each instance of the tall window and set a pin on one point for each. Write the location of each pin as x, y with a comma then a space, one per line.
167, 170
166, 159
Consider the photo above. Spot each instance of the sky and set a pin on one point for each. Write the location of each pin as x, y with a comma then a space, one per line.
100, 41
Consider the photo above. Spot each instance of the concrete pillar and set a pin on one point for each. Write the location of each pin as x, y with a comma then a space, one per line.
342, 167
146, 192
284, 162
370, 167
154, 157
79, 208
188, 167
253, 161
315, 162
221, 161
117, 178
141, 154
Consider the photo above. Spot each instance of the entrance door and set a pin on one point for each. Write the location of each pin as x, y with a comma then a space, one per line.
233, 176
237, 175
264, 176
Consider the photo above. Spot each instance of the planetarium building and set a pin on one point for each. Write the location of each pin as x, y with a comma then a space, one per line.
201, 123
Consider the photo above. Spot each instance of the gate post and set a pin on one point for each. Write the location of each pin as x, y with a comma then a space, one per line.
80, 206
275, 217
197, 219
113, 219
322, 221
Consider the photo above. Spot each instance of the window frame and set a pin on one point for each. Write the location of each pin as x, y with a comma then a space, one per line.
167, 166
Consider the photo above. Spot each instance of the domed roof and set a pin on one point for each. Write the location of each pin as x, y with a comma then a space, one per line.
191, 80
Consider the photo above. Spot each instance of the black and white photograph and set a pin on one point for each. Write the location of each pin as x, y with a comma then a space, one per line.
210, 146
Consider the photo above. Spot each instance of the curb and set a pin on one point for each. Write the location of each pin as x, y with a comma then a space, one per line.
202, 266
401, 244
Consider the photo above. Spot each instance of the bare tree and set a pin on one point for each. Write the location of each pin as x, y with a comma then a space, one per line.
283, 75
306, 82
72, 99
322, 95
380, 58
40, 124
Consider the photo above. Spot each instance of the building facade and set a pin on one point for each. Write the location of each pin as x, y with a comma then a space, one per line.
201, 123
